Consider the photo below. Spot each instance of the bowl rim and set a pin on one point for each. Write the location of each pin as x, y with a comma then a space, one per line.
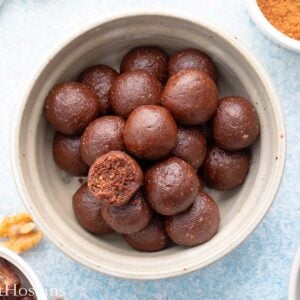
63, 245
294, 277
269, 30
18, 262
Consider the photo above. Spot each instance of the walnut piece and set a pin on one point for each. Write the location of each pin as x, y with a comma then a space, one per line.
20, 232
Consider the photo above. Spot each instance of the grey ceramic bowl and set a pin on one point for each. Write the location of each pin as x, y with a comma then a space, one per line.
294, 283
47, 192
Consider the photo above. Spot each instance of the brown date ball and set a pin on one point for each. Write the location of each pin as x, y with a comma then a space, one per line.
235, 124
171, 186
129, 218
190, 146
70, 107
191, 96
225, 170
9, 278
100, 78
196, 225
66, 154
87, 210
192, 59
150, 132
114, 177
133, 89
151, 59
102, 136
152, 238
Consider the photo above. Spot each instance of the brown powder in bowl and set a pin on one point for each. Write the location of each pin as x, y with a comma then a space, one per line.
283, 14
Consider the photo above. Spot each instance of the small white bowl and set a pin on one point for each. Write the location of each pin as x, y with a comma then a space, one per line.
26, 274
294, 284
268, 29
47, 192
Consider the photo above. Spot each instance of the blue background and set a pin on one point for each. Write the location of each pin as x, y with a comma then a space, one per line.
259, 268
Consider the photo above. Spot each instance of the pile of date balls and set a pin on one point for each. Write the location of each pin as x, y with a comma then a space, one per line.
148, 139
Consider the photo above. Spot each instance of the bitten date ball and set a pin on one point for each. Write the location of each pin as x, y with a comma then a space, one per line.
100, 78
66, 154
70, 107
190, 146
171, 186
192, 59
87, 210
191, 96
114, 177
151, 59
235, 124
102, 136
129, 218
133, 89
150, 132
152, 238
196, 225
225, 170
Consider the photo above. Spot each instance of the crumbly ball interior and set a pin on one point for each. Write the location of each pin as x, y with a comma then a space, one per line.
113, 179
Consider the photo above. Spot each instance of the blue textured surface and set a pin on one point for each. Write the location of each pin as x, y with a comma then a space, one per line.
259, 268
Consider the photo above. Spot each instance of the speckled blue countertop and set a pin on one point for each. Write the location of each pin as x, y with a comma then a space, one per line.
260, 267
